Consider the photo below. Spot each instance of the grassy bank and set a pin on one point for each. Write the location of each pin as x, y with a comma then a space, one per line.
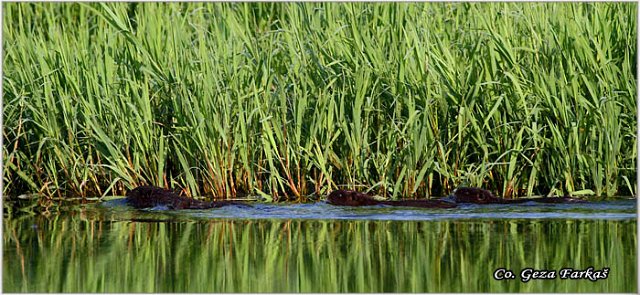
288, 100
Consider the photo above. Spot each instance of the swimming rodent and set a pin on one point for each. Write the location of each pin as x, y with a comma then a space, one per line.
150, 196
460, 195
353, 198
481, 196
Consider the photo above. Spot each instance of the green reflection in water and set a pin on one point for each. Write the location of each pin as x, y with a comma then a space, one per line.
69, 253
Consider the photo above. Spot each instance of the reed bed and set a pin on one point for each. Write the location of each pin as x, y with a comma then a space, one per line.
290, 100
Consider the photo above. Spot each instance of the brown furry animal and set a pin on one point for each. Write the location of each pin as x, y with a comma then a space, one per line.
480, 196
353, 198
150, 196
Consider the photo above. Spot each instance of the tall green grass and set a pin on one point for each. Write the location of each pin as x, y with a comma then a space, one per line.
287, 100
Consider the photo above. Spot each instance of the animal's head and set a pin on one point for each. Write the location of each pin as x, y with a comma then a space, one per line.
143, 191
150, 192
137, 191
473, 195
350, 198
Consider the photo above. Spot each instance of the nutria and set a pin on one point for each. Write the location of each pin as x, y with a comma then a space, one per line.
353, 198
150, 196
480, 196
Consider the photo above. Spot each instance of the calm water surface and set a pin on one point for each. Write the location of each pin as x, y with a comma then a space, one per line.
109, 247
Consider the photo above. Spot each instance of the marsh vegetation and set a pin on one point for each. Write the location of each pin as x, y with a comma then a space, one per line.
288, 100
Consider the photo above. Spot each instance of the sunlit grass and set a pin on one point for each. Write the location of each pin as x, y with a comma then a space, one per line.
288, 100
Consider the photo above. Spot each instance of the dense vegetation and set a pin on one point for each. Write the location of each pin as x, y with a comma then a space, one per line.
289, 100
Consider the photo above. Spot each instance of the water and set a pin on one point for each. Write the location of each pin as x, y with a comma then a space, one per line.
109, 247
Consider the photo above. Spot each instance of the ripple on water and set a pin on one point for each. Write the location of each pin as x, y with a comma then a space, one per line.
610, 210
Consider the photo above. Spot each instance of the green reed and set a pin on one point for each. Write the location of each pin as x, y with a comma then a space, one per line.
77, 253
288, 100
